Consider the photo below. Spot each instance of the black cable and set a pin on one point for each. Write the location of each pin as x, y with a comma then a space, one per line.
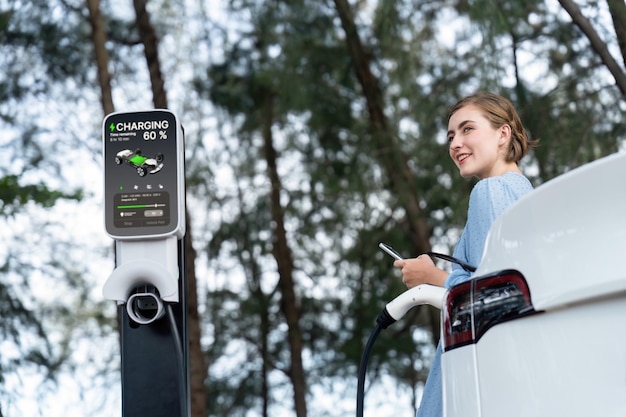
360, 395
182, 377
467, 267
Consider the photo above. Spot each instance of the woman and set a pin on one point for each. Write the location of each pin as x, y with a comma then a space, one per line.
486, 140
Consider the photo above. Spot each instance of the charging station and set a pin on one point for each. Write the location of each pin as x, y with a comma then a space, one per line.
144, 212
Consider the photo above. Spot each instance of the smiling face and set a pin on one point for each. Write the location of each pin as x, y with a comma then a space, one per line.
476, 147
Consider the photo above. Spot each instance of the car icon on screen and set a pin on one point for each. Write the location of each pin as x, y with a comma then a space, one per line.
142, 164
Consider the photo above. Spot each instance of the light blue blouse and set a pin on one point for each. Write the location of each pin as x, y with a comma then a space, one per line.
489, 198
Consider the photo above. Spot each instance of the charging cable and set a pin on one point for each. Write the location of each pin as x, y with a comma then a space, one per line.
394, 311
465, 266
182, 375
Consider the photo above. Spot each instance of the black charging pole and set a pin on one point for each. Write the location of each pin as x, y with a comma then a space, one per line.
155, 380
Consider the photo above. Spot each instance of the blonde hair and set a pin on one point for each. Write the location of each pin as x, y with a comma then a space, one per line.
500, 111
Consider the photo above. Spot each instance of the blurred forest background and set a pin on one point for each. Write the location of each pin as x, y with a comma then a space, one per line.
314, 130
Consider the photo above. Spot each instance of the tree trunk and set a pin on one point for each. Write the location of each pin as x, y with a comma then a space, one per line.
98, 37
197, 367
392, 159
284, 261
150, 42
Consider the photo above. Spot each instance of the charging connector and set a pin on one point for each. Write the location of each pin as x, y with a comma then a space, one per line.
394, 311
145, 307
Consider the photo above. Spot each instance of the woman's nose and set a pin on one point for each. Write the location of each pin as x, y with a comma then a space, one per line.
455, 143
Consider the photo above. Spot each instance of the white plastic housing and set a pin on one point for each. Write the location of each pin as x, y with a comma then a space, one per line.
145, 262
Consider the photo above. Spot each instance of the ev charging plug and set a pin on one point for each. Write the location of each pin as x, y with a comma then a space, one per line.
394, 311
399, 306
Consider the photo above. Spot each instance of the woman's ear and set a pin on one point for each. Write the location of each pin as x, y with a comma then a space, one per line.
505, 134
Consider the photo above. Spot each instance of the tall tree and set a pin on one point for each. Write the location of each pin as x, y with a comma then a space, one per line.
262, 97
282, 254
392, 158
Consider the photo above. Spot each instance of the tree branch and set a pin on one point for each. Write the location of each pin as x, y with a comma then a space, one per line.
596, 43
617, 8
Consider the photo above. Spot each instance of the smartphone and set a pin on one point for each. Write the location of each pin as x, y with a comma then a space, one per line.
390, 251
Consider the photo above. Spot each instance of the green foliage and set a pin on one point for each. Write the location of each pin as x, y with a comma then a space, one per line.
56, 45
13, 195
17, 320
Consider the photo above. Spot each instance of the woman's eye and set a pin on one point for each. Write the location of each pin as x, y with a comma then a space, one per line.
466, 129
450, 139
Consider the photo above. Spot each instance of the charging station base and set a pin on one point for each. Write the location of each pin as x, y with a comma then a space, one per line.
153, 383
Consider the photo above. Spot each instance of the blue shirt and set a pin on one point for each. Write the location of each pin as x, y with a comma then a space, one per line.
489, 198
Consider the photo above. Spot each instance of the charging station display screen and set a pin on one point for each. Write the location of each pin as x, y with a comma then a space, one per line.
143, 158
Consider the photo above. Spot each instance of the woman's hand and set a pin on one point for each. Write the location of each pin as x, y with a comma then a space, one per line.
420, 270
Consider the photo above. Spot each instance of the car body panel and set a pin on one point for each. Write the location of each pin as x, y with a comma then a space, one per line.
569, 362
460, 392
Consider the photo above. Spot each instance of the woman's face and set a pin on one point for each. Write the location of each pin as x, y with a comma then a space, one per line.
475, 146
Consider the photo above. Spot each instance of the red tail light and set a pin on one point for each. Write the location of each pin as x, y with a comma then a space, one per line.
471, 308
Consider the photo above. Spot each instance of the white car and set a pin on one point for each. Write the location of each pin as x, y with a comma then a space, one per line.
541, 328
